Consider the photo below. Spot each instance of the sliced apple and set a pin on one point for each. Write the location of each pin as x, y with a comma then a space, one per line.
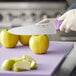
17, 69
31, 60
27, 57
33, 64
17, 59
8, 64
24, 65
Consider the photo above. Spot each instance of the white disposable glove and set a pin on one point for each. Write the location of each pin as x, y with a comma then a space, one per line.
47, 20
69, 21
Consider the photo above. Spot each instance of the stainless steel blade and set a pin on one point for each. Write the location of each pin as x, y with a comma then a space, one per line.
38, 29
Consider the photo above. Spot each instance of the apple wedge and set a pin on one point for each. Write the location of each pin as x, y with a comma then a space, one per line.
31, 60
28, 58
33, 65
24, 65
8, 64
17, 69
17, 59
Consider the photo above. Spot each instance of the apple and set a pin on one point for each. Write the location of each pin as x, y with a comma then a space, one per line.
17, 69
24, 39
24, 65
28, 58
33, 64
39, 44
17, 59
7, 39
16, 64
31, 60
8, 64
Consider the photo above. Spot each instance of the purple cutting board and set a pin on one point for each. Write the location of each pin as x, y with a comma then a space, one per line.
46, 63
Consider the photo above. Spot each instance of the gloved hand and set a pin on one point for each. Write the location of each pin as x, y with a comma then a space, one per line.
47, 20
69, 21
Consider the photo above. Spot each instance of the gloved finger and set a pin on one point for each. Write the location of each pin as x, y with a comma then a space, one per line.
44, 21
62, 17
63, 26
47, 20
68, 25
73, 28
67, 29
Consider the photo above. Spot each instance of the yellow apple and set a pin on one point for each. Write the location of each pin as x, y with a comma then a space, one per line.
24, 39
39, 44
7, 39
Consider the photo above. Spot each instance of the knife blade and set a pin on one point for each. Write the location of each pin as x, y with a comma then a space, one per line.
37, 29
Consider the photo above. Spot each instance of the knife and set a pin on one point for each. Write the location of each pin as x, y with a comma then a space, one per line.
37, 29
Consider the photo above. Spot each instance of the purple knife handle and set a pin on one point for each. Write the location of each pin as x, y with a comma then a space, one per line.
57, 24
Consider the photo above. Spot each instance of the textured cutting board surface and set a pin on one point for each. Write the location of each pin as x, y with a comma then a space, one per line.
46, 63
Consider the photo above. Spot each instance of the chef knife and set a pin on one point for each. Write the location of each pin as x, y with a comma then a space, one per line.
37, 29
